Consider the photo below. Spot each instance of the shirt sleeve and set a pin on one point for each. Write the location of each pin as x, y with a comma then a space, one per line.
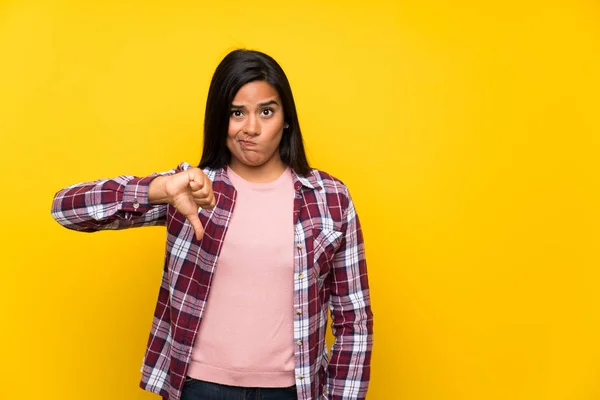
352, 319
117, 203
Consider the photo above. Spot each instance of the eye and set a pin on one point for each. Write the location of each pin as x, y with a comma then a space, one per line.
267, 112
236, 113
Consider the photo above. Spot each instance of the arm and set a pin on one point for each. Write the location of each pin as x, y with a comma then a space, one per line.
352, 318
119, 203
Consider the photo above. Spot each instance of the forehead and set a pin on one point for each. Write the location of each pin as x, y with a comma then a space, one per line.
255, 92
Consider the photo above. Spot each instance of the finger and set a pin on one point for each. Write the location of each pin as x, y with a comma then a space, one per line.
213, 202
196, 180
197, 225
201, 202
204, 196
195, 186
206, 203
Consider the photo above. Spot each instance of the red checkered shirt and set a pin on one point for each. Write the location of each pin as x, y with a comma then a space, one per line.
329, 271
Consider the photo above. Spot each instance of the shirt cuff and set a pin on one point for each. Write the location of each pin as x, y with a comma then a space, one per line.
135, 195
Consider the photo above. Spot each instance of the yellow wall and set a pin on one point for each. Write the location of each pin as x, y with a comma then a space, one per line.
468, 134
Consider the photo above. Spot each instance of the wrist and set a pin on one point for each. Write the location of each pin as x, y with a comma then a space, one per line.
156, 191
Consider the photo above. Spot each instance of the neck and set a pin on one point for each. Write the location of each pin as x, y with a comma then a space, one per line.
260, 174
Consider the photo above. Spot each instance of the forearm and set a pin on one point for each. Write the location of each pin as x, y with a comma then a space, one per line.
118, 203
349, 367
352, 318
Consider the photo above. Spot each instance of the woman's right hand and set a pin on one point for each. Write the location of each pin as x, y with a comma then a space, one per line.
186, 191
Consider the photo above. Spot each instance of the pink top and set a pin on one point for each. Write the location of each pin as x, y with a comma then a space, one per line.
246, 334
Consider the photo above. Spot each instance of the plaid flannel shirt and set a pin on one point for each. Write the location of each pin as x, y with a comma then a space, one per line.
329, 271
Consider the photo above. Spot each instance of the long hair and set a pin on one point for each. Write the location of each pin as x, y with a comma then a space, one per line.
237, 69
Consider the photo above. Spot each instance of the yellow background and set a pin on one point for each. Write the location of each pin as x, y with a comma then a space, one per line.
468, 133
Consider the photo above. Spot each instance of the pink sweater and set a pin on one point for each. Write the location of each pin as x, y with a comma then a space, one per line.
246, 334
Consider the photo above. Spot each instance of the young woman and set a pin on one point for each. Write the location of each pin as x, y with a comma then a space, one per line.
259, 246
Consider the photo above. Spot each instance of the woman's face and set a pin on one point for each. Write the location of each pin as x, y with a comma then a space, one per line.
255, 128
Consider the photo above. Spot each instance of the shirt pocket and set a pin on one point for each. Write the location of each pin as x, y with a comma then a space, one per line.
325, 244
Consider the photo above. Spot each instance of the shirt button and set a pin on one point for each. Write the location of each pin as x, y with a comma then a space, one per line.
299, 342
299, 246
301, 377
298, 311
300, 275
136, 204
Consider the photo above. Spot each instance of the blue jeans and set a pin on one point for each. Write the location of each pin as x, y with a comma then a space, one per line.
194, 389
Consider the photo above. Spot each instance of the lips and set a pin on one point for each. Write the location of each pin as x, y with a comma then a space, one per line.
247, 143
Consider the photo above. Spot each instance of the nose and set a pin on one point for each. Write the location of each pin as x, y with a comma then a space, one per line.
252, 126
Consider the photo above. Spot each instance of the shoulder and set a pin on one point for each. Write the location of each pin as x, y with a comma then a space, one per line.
327, 180
333, 189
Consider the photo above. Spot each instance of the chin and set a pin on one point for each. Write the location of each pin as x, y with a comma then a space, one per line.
255, 164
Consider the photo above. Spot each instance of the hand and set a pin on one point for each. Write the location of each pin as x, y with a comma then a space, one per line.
186, 191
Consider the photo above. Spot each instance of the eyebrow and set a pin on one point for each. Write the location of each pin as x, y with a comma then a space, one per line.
267, 103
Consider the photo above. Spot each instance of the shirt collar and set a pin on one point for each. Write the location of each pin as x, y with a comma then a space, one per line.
307, 180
